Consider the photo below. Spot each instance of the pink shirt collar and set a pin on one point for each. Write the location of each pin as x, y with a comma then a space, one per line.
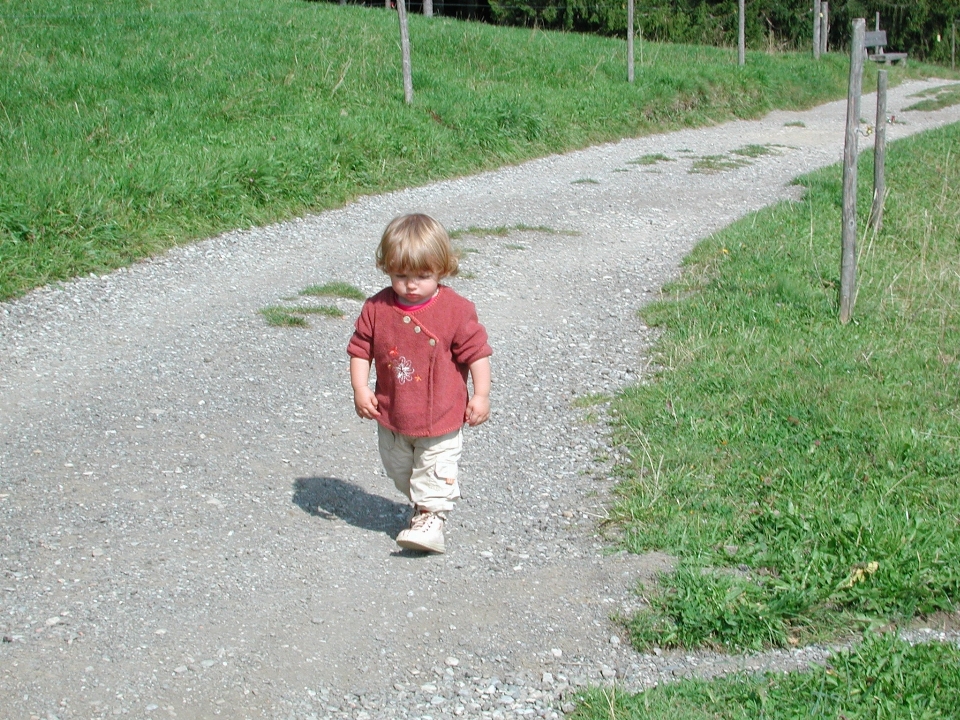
419, 306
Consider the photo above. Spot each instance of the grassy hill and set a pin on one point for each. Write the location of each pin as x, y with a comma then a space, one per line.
127, 128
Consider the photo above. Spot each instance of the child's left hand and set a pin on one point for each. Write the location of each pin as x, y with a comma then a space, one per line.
478, 410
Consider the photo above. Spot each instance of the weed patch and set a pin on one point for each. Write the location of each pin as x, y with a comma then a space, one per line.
651, 159
278, 316
712, 164
334, 289
753, 151
296, 315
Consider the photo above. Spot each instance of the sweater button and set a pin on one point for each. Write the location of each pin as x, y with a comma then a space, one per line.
416, 329
406, 318
432, 341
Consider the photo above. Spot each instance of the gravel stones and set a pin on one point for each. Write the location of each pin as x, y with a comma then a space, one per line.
194, 523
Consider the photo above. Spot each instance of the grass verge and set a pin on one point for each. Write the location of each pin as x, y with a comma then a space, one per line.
804, 473
881, 679
129, 127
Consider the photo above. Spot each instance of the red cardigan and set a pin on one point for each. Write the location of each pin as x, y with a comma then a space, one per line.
422, 358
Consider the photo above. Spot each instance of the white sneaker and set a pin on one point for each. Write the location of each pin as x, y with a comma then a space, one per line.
425, 532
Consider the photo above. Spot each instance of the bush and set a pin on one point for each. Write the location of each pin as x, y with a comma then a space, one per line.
914, 27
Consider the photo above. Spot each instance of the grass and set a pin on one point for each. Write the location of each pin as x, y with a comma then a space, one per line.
287, 316
334, 289
650, 159
278, 316
504, 231
753, 151
943, 96
590, 400
805, 474
711, 164
882, 678
296, 315
128, 127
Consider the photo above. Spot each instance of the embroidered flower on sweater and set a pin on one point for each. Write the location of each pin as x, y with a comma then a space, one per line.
404, 370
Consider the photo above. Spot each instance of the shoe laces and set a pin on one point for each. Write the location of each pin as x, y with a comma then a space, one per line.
422, 519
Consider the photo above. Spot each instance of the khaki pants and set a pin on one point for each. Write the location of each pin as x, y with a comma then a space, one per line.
423, 468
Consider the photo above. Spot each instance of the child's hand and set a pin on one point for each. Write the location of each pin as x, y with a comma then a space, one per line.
478, 410
366, 403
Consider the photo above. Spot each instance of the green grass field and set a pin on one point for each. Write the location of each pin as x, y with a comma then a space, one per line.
806, 474
127, 128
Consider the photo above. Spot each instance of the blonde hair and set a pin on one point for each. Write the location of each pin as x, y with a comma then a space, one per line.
416, 243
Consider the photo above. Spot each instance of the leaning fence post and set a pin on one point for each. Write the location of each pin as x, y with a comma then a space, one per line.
879, 154
741, 36
630, 41
848, 250
816, 29
405, 52
824, 27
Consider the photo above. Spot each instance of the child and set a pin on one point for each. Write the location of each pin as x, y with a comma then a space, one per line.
424, 338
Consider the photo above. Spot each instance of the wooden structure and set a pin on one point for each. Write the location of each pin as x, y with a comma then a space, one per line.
876, 41
848, 240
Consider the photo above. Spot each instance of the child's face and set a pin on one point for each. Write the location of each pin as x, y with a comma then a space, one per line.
413, 288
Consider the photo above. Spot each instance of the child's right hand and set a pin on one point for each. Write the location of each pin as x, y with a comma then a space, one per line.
366, 403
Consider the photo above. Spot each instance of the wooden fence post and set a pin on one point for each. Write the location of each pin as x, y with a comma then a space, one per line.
428, 8
741, 36
879, 154
824, 26
405, 51
953, 46
816, 29
848, 249
630, 41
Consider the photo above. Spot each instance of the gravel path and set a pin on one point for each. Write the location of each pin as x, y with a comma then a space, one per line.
194, 521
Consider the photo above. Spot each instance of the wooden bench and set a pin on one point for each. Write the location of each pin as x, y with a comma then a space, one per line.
876, 40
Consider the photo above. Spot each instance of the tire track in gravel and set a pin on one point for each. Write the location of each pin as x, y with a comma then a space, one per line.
194, 522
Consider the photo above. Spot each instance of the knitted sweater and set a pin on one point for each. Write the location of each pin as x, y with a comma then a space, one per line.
422, 357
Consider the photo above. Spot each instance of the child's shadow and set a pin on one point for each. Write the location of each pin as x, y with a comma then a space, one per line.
331, 498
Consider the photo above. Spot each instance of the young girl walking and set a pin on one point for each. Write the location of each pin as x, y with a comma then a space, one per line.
424, 340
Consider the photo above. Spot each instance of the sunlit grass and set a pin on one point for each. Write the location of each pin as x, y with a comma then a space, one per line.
127, 128
882, 678
805, 473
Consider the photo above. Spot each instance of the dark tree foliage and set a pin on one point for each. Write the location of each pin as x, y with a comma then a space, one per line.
920, 27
